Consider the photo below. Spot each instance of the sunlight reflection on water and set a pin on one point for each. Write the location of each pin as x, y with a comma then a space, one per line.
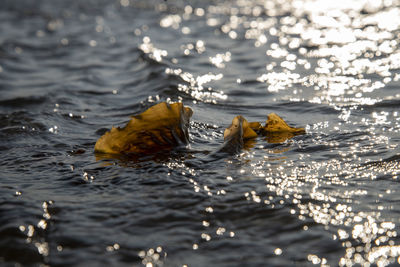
349, 47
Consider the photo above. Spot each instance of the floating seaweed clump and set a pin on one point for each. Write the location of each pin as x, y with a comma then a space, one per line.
164, 126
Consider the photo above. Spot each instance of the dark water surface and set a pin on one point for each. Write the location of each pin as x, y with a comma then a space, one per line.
69, 70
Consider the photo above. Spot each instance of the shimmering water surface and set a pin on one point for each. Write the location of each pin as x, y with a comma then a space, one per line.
69, 70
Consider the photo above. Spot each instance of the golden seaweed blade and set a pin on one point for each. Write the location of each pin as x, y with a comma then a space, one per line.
255, 126
277, 130
160, 127
238, 136
240, 123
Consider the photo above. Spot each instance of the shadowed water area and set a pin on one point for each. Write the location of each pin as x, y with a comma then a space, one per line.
69, 70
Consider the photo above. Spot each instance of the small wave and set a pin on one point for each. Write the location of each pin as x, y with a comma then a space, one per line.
22, 102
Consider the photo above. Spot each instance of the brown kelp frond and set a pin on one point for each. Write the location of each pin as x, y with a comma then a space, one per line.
159, 127
240, 127
276, 124
276, 130
237, 136
255, 126
248, 132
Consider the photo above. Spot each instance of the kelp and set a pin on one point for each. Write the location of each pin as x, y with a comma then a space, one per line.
237, 136
276, 124
276, 130
240, 127
162, 126
165, 126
